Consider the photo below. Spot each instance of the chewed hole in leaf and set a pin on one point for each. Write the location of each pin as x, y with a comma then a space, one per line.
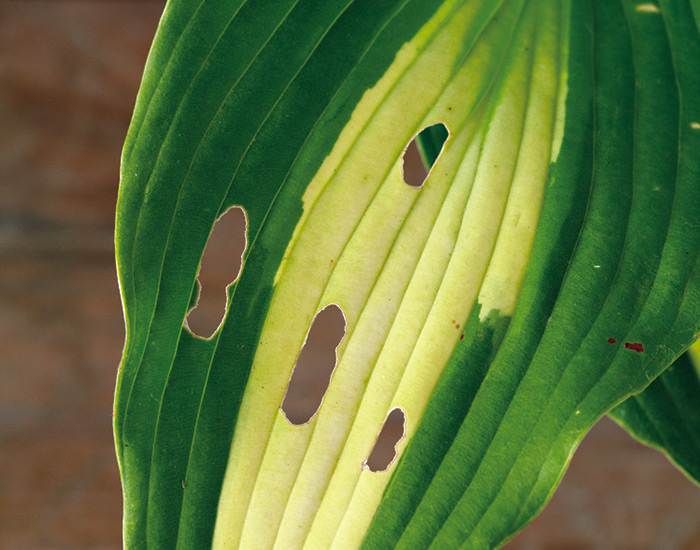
220, 267
384, 450
314, 366
422, 152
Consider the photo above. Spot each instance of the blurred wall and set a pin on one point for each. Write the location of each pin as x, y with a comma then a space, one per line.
69, 72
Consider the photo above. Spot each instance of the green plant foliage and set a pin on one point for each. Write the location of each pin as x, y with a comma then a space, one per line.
666, 414
545, 271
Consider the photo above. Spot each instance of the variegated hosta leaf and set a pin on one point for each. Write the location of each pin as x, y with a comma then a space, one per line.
545, 270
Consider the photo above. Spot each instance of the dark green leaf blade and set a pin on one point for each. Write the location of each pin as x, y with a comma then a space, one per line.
665, 414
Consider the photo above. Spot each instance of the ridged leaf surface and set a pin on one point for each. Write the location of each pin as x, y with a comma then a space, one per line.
546, 270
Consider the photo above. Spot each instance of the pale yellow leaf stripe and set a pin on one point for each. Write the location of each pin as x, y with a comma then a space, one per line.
405, 266
506, 266
294, 303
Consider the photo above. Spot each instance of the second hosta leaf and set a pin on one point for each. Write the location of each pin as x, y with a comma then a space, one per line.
544, 271
666, 414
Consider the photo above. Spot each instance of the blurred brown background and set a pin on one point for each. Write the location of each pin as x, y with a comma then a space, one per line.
69, 72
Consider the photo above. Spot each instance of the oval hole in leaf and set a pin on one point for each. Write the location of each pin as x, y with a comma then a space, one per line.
384, 450
422, 152
220, 268
314, 366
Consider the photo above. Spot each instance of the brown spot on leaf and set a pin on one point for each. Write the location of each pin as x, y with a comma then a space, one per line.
635, 346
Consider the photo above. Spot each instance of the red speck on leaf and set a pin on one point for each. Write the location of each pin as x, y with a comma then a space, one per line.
635, 346
612, 341
461, 336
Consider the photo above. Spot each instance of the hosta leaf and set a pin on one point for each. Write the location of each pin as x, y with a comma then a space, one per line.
545, 270
666, 415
